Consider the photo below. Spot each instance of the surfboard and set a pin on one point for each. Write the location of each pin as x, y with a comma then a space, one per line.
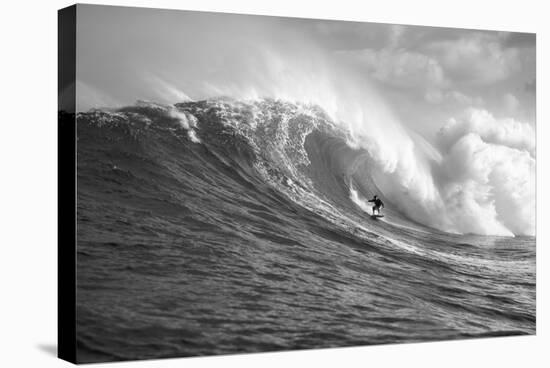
376, 216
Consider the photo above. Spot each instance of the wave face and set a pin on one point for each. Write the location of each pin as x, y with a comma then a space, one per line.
224, 226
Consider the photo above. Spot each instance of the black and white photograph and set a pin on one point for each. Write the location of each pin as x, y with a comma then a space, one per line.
235, 183
256, 183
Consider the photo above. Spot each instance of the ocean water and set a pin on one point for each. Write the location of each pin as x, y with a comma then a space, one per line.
222, 227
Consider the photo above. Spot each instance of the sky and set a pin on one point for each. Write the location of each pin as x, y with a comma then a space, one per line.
425, 74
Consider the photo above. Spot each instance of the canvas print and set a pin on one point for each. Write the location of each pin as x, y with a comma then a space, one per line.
253, 183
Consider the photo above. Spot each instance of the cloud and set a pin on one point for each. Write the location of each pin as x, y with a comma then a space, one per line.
531, 87
399, 67
505, 132
396, 34
338, 35
453, 70
520, 40
436, 96
477, 59
511, 103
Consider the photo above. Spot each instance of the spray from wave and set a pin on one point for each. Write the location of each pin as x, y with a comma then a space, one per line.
358, 200
478, 177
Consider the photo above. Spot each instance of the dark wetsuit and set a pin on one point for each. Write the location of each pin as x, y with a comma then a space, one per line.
377, 205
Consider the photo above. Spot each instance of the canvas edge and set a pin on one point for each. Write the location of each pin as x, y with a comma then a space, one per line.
66, 175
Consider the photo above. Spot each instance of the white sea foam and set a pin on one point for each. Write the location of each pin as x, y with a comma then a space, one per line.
356, 198
187, 122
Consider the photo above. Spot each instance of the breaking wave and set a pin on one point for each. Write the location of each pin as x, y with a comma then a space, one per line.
480, 179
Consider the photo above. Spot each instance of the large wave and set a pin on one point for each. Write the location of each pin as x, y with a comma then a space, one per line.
478, 177
468, 188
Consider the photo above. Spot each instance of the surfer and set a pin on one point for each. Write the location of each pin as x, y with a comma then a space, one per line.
377, 204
